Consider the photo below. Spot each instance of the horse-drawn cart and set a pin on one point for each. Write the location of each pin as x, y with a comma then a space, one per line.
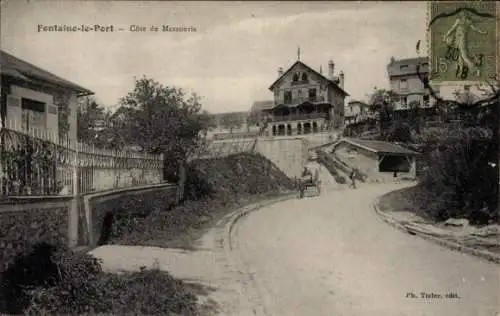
309, 185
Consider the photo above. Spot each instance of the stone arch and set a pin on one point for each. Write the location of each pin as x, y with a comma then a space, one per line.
281, 129
307, 128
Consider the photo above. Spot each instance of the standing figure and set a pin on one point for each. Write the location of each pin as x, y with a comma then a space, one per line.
457, 40
352, 176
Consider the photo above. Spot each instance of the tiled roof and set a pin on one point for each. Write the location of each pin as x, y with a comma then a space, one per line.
378, 146
407, 66
262, 105
332, 82
20, 69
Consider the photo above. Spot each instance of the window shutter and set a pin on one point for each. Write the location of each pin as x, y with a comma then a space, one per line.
14, 112
52, 122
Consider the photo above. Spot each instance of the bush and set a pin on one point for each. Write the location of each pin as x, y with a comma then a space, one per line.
55, 280
49, 276
460, 179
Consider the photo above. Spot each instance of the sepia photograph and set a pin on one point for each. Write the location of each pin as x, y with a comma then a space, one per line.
252, 158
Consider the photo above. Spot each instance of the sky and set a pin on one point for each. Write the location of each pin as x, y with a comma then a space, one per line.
231, 59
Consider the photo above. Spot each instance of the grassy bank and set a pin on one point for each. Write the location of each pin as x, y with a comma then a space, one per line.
406, 199
215, 188
331, 166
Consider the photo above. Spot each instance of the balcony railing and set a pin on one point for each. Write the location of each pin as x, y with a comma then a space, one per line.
298, 117
300, 100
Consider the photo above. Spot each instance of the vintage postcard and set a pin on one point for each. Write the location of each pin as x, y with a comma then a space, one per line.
249, 158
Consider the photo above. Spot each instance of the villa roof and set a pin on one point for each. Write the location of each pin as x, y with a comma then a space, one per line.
17, 68
298, 62
262, 105
380, 147
407, 66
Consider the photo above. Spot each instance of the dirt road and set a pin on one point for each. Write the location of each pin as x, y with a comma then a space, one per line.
329, 255
333, 256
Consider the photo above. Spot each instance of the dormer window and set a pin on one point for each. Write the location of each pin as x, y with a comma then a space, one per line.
304, 77
295, 77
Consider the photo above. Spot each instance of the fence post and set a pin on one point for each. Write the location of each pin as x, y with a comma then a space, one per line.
73, 215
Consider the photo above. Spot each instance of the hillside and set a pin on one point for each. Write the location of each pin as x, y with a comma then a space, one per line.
214, 188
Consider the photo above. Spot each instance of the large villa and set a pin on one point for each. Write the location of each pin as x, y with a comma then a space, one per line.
305, 101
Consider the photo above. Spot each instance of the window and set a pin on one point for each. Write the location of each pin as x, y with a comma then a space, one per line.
304, 77
312, 94
403, 84
32, 105
295, 78
288, 97
33, 114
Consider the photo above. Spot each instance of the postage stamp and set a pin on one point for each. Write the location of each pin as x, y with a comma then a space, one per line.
463, 41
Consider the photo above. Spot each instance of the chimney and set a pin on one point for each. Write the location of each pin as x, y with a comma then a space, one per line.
280, 71
331, 68
341, 79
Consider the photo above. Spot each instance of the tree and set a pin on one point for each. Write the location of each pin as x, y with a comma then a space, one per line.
462, 178
230, 121
382, 101
90, 120
163, 120
400, 132
415, 115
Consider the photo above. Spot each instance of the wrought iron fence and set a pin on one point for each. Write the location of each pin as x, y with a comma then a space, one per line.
37, 163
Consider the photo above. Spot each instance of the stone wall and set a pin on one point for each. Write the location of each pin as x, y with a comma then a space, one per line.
30, 220
26, 221
289, 154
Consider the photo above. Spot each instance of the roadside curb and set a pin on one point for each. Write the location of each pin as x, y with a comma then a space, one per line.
245, 210
414, 229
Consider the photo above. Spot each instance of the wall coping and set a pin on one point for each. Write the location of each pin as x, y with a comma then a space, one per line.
34, 199
107, 193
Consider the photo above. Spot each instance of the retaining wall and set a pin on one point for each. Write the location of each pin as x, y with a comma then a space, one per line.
73, 221
289, 154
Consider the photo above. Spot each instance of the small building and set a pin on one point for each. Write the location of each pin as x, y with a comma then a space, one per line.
306, 101
36, 101
357, 111
378, 160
